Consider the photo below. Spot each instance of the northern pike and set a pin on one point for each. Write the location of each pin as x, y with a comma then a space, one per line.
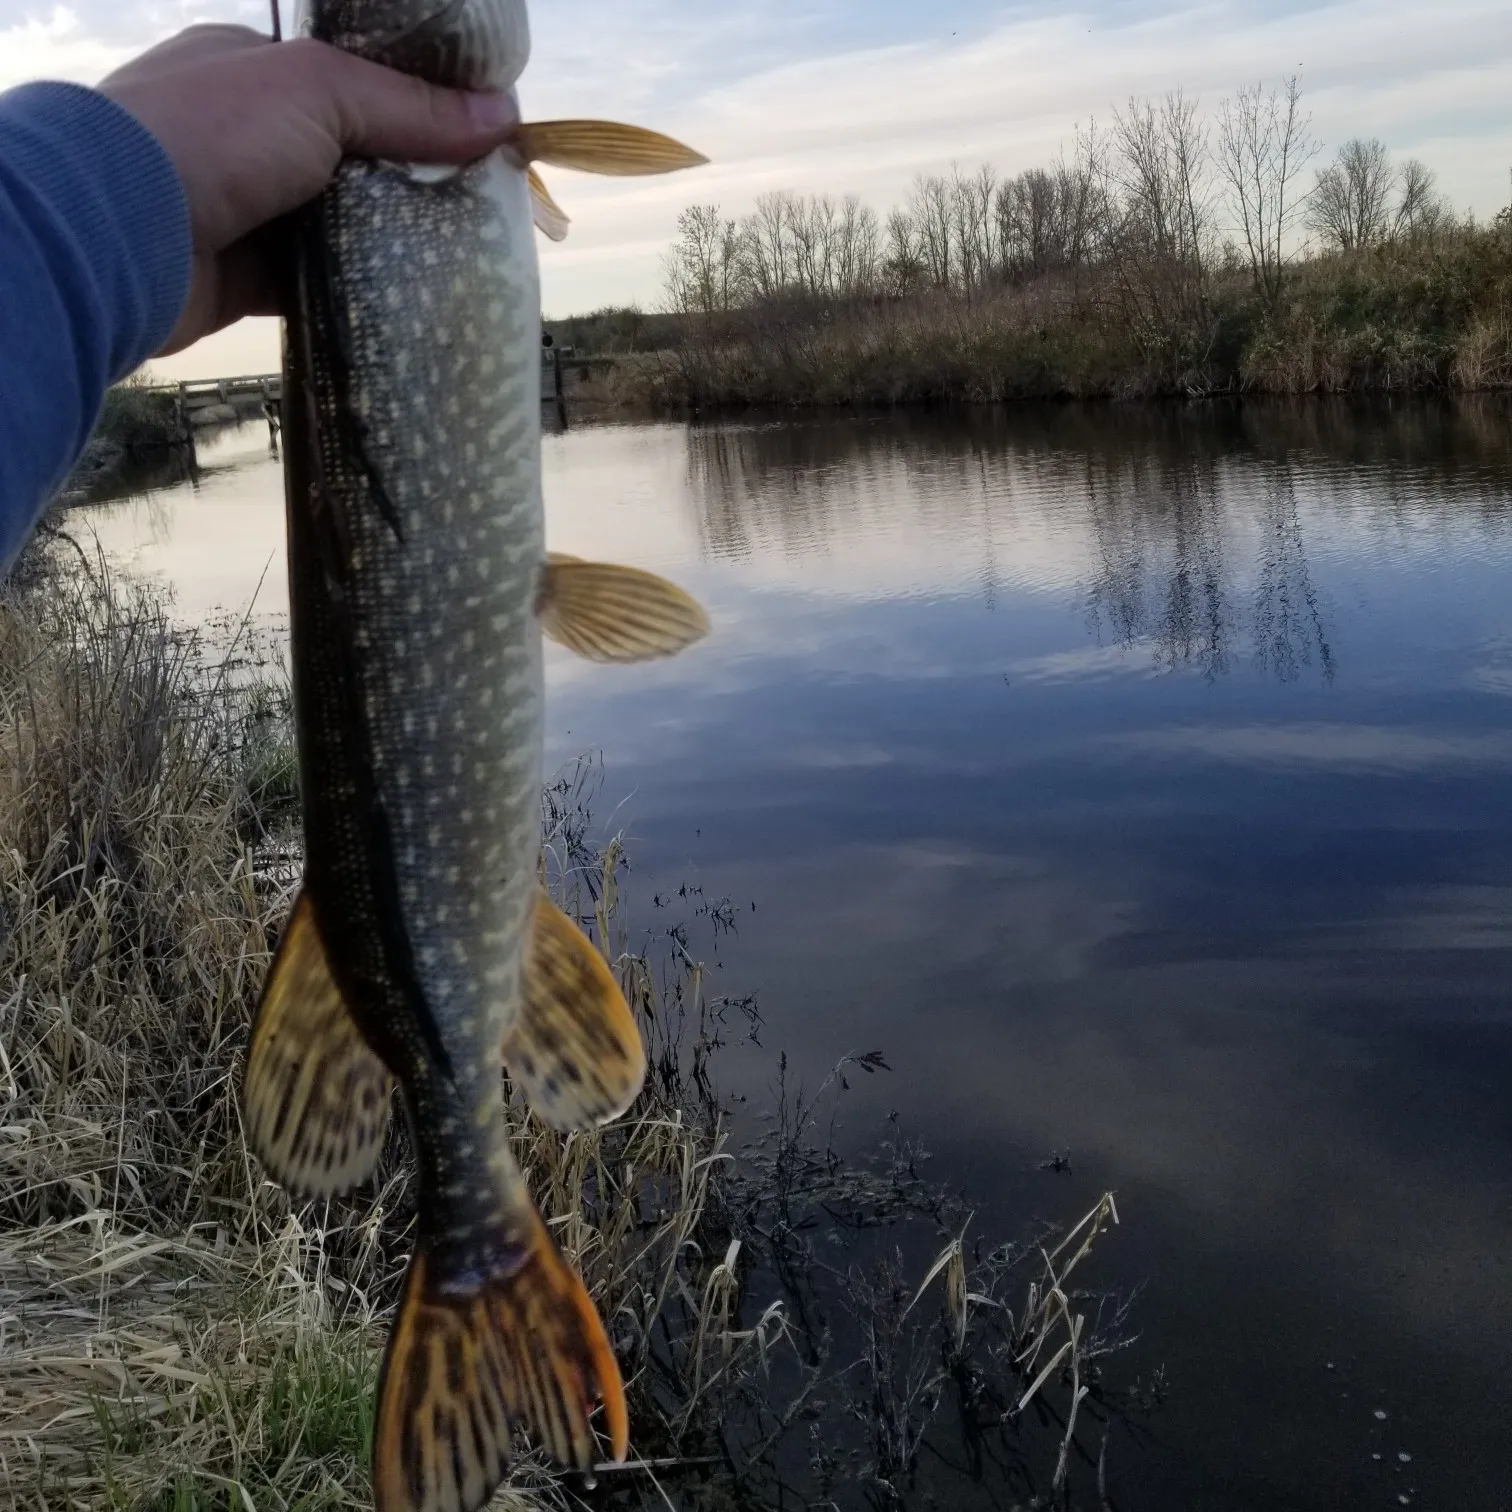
421, 952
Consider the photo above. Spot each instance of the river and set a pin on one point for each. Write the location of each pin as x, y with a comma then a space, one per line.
1136, 780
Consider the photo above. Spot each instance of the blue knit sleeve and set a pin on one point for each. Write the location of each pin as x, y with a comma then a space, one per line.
95, 258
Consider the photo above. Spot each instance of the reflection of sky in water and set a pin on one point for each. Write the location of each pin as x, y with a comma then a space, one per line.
1137, 781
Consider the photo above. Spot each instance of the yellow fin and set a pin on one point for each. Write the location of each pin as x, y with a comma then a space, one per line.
574, 1050
603, 147
465, 1363
316, 1097
550, 219
616, 614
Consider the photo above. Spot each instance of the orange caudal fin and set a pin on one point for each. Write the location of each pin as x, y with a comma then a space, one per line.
470, 1360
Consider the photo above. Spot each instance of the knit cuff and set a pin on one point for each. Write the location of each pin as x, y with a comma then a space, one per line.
112, 183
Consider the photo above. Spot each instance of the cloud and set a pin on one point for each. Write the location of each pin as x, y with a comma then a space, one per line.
869, 118
58, 45
850, 97
1379, 749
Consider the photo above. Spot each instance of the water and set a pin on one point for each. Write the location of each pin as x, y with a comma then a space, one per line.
1136, 780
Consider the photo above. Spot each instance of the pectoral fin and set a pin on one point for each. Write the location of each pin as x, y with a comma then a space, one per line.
616, 614
574, 1050
550, 219
316, 1097
603, 147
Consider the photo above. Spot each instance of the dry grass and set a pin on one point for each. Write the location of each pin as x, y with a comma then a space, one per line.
173, 1328
135, 415
174, 1333
1429, 313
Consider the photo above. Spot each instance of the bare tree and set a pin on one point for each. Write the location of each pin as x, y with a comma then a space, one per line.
1420, 209
903, 267
767, 245
1083, 206
1350, 204
703, 267
858, 247
930, 209
972, 226
1156, 175
1028, 215
1264, 143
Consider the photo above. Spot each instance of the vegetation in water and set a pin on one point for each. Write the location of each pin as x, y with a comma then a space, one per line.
1169, 252
175, 1334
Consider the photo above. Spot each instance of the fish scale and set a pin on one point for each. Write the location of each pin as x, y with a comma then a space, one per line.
421, 954
454, 673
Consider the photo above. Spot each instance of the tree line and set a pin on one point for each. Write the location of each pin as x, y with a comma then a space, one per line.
1148, 209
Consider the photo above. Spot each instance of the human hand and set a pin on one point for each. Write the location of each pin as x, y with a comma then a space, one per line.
256, 128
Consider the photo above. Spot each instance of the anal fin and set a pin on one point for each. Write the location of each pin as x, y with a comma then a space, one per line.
468, 1360
574, 1050
616, 614
316, 1097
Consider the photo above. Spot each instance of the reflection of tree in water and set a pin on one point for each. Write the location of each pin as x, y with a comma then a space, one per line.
1197, 531
1166, 539
1158, 523
1288, 622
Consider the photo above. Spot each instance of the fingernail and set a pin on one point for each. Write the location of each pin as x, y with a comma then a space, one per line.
491, 112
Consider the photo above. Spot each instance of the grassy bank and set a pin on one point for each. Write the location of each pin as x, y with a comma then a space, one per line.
175, 1334
1435, 314
137, 417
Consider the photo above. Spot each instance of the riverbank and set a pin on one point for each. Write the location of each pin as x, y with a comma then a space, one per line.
180, 1334
1432, 315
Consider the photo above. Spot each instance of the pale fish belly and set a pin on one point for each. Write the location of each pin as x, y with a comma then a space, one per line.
444, 314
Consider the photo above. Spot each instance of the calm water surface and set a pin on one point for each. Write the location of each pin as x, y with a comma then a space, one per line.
1137, 781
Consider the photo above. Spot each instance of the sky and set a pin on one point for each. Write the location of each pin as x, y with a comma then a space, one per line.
860, 96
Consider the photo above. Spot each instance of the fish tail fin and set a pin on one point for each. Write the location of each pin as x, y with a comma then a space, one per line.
472, 1356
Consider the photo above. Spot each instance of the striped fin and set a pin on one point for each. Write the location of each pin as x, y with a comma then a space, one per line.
616, 614
467, 1362
550, 219
574, 1049
316, 1097
603, 147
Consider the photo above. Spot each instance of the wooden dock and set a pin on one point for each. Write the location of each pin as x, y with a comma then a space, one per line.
215, 401
212, 401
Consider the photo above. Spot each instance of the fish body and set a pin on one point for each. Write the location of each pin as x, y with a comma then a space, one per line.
421, 952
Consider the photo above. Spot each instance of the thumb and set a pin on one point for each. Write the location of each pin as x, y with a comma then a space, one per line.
371, 111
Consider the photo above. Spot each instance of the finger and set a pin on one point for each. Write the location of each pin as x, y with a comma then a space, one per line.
374, 112
193, 44
241, 281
